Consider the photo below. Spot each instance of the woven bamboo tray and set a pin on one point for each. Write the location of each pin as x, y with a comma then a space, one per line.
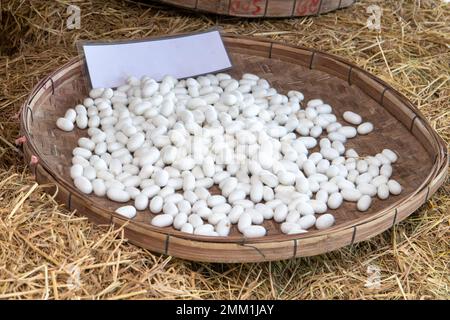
262, 8
421, 168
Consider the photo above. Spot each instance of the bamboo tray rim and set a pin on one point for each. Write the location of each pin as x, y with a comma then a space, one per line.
440, 161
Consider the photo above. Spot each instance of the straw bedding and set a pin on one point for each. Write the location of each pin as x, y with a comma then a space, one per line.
49, 252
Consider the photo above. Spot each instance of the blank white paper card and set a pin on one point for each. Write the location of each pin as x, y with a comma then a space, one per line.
110, 64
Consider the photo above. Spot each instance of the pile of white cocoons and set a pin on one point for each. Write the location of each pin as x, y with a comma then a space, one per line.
165, 145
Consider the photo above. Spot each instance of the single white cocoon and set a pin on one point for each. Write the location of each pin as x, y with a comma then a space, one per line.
64, 124
141, 202
254, 231
352, 117
127, 211
325, 221
162, 220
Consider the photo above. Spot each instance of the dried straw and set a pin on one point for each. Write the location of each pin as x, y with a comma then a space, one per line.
47, 252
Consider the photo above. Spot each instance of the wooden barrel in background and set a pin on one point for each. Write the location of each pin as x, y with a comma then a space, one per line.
262, 8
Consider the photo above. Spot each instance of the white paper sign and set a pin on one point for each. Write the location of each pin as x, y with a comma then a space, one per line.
109, 64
